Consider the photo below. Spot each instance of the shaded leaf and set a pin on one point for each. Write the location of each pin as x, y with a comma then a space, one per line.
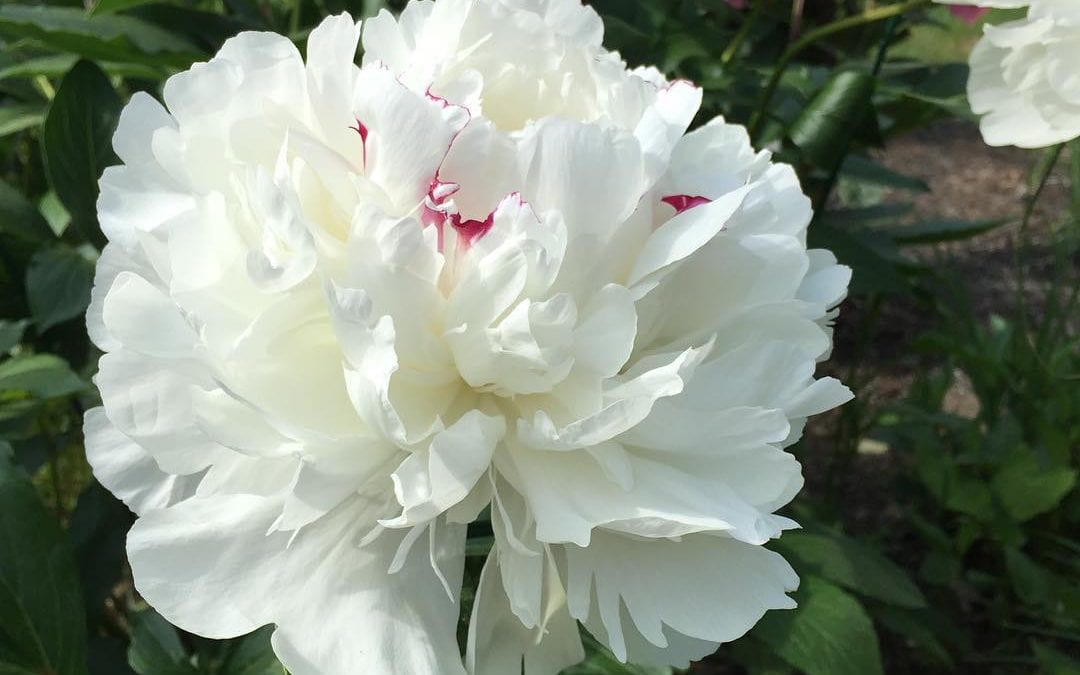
873, 258
252, 655
865, 170
850, 564
107, 6
1031, 582
914, 627
42, 626
20, 218
1053, 662
77, 142
11, 333
58, 284
599, 661
156, 648
98, 530
936, 231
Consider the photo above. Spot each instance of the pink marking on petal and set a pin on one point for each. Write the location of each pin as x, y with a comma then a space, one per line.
684, 202
438, 99
471, 230
968, 13
362, 129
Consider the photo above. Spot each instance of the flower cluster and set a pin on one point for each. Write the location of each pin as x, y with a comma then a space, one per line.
347, 311
1024, 79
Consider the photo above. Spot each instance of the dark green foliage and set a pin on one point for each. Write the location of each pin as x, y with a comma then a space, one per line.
76, 140
42, 629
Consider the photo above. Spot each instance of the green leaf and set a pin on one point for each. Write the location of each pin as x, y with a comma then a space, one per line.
599, 661
1031, 582
108, 6
42, 376
936, 231
1074, 180
107, 656
98, 530
42, 625
16, 117
850, 564
757, 657
252, 655
53, 65
864, 170
57, 64
11, 333
77, 142
873, 258
834, 117
970, 495
20, 218
58, 284
1053, 662
114, 38
1026, 489
156, 648
915, 628
206, 30
829, 634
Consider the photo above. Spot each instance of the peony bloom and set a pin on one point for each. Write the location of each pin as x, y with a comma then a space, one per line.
1024, 79
487, 276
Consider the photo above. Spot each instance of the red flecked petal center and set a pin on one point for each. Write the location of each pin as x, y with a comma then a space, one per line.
683, 202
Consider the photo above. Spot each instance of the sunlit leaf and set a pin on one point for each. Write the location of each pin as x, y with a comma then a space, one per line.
828, 634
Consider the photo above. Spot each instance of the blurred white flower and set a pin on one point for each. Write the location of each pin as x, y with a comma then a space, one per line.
347, 311
1025, 80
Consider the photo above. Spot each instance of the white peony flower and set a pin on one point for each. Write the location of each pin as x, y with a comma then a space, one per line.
346, 311
1024, 78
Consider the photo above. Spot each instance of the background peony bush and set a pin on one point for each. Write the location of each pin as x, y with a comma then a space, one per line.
482, 336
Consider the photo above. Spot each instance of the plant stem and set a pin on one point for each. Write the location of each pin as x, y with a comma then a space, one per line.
740, 37
1021, 247
811, 37
294, 18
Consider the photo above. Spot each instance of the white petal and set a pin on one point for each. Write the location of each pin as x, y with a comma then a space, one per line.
745, 581
433, 480
499, 645
209, 566
127, 470
682, 236
144, 319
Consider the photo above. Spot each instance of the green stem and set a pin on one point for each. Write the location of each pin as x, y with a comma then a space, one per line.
294, 18
1039, 178
1021, 247
816, 35
740, 37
